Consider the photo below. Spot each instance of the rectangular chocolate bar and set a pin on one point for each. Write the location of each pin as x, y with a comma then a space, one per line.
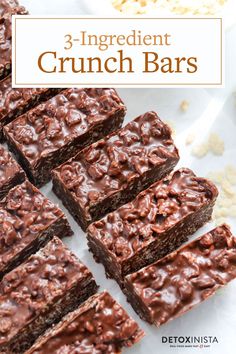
39, 293
54, 131
16, 101
11, 173
27, 221
155, 223
114, 170
183, 279
100, 325
6, 37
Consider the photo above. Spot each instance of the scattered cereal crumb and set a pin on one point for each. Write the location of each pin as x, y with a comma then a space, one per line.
225, 206
225, 202
184, 106
227, 188
232, 211
216, 144
200, 150
181, 7
216, 177
231, 174
190, 139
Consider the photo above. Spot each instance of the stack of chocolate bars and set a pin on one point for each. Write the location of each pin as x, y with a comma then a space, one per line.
120, 186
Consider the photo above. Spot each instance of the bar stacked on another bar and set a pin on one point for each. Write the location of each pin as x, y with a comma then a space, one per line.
114, 170
54, 131
155, 223
183, 279
27, 221
14, 102
100, 325
6, 36
39, 293
11, 173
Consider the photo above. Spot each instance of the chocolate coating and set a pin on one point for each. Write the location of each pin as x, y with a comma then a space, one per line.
16, 101
28, 294
6, 39
114, 170
154, 223
184, 278
99, 326
11, 173
6, 6
55, 130
27, 220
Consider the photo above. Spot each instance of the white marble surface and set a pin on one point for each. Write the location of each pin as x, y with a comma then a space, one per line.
209, 110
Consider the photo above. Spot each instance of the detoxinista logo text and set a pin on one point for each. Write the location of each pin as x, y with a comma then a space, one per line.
189, 341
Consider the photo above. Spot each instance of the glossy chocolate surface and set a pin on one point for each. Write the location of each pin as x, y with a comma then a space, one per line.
25, 213
99, 326
112, 164
28, 290
61, 120
153, 212
186, 277
14, 101
6, 36
6, 6
9, 168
